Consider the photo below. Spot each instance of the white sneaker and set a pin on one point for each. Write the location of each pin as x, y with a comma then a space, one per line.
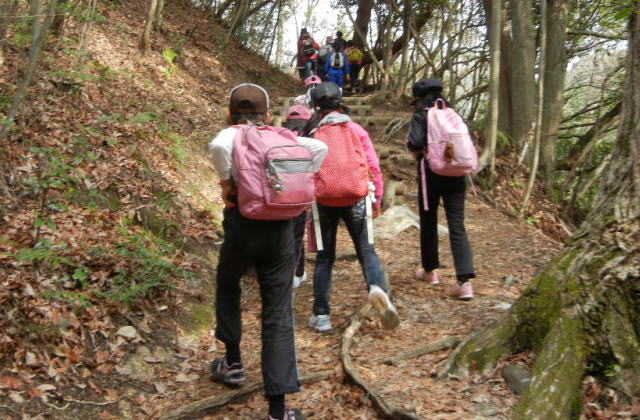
299, 279
321, 323
382, 304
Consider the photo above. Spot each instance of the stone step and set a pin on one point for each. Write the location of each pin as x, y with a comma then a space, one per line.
286, 102
355, 110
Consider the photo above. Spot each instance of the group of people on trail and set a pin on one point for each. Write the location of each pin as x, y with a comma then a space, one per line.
337, 61
318, 169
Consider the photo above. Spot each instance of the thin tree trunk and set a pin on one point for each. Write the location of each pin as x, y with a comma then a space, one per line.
541, 80
488, 157
159, 16
148, 24
86, 27
34, 54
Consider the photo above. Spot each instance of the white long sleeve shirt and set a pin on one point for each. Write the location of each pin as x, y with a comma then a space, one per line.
221, 152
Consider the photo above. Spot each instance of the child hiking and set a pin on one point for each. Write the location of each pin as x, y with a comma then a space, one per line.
337, 66
342, 192
262, 192
451, 189
297, 118
307, 54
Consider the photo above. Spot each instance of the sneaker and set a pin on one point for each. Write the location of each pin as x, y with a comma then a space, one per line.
382, 304
462, 291
299, 279
321, 323
232, 375
291, 414
430, 277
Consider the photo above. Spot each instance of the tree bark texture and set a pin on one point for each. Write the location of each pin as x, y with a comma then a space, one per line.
555, 72
523, 53
363, 17
583, 310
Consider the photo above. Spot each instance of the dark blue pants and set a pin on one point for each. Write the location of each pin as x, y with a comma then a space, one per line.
452, 190
267, 245
355, 219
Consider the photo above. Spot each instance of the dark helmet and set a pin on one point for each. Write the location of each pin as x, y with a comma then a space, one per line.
424, 86
326, 95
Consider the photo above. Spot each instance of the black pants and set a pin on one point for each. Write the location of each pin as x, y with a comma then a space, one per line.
299, 224
452, 191
267, 245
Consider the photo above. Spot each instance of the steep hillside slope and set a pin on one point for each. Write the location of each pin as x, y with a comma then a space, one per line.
116, 210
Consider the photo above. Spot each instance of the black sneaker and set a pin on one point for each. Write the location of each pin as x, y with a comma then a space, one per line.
291, 414
232, 375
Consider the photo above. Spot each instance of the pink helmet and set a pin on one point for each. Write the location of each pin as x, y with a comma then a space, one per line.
298, 112
312, 80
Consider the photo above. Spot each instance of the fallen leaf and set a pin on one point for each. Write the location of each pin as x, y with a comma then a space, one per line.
10, 382
161, 388
16, 397
127, 332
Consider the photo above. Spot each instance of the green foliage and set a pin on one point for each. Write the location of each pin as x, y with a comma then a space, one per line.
149, 267
145, 117
45, 252
177, 148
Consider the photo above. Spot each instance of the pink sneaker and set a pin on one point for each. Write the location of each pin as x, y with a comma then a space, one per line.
431, 277
460, 292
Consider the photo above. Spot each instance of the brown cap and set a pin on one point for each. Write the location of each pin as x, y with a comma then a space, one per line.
248, 98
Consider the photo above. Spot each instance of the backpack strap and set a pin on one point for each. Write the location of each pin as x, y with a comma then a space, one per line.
440, 103
423, 182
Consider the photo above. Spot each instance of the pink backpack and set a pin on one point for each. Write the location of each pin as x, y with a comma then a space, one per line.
450, 149
343, 178
275, 176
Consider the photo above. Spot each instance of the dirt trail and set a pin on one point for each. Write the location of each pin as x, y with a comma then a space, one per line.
507, 253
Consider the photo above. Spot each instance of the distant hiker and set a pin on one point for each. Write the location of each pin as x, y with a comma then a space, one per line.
337, 66
258, 232
305, 99
428, 94
297, 118
307, 54
339, 43
323, 54
355, 63
343, 191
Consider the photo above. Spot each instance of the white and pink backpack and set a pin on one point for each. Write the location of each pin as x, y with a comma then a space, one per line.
275, 176
450, 149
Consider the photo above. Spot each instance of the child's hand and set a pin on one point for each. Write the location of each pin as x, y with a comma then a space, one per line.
228, 191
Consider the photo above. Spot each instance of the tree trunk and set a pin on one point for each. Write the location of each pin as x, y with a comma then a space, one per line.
363, 17
538, 133
583, 310
523, 53
158, 21
34, 54
555, 71
488, 157
148, 24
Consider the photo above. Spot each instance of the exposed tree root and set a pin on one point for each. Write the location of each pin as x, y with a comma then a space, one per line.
351, 371
432, 347
209, 404
579, 315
